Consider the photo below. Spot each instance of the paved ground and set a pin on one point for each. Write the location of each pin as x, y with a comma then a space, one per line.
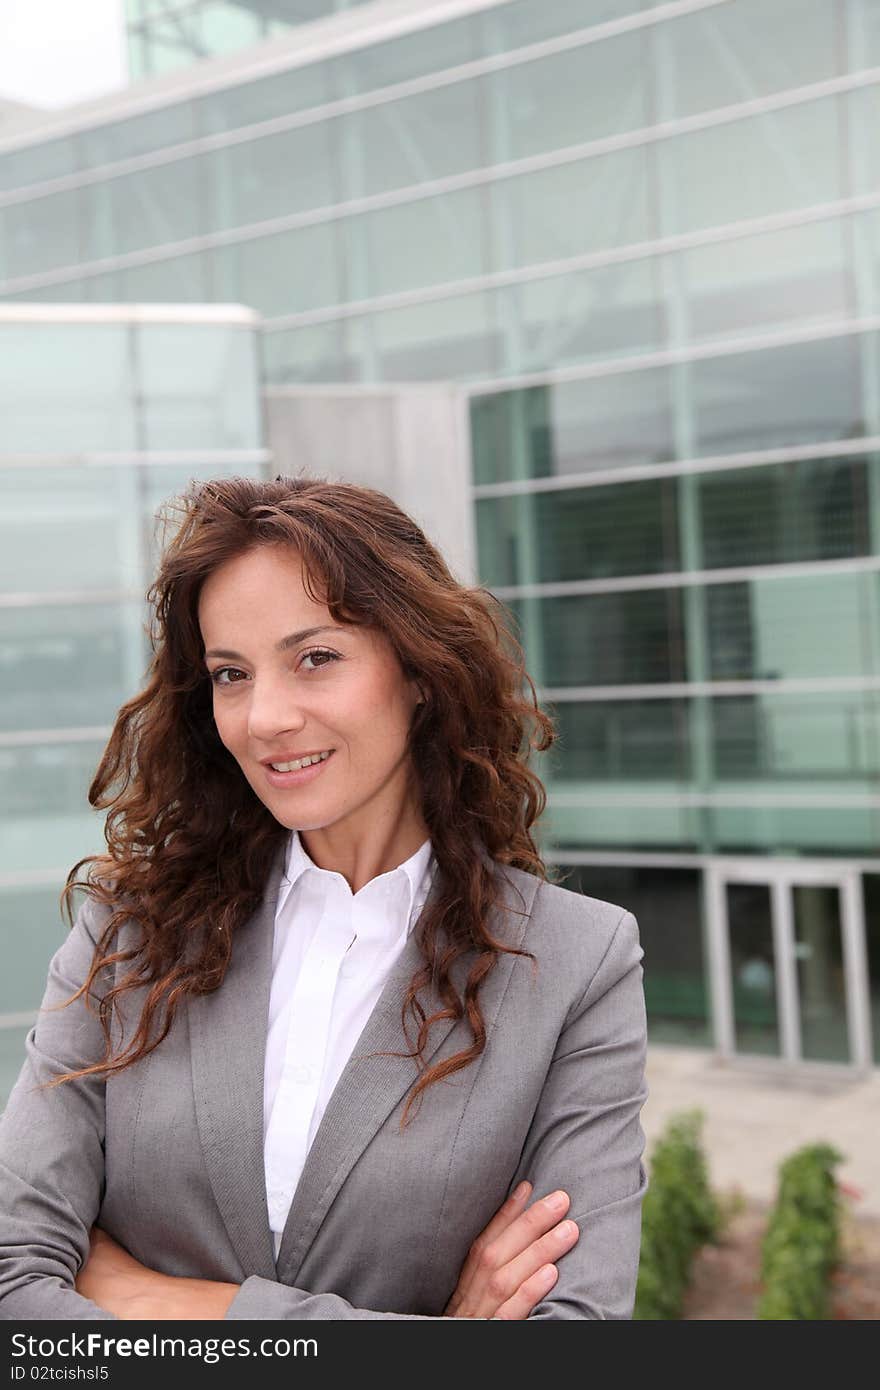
757, 1114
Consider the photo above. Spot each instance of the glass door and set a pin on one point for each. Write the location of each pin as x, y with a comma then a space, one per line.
788, 962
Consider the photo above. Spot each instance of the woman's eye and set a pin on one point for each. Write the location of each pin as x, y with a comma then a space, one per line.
229, 671
320, 652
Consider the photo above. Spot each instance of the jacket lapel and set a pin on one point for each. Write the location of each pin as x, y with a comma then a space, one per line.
369, 1088
228, 1042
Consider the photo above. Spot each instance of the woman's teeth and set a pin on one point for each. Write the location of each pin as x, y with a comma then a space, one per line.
301, 762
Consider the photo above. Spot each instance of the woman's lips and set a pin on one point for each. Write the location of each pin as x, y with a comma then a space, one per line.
296, 779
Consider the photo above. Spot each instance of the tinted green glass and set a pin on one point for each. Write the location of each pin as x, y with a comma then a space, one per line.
578, 533
43, 782
625, 740
41, 235
198, 387
778, 397
613, 639
753, 968
871, 891
573, 427
772, 629
155, 206
809, 509
415, 139
126, 139
822, 737
414, 244
40, 161
667, 905
820, 973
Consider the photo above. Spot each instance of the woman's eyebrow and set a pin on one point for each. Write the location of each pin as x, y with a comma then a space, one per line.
292, 640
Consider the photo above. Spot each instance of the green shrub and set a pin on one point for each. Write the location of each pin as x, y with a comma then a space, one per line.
679, 1214
802, 1243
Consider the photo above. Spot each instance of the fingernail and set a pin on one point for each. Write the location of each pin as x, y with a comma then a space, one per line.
557, 1201
521, 1191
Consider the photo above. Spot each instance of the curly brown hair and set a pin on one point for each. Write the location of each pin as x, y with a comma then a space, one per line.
190, 845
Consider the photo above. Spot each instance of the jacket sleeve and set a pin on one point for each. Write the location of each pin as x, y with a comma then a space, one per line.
585, 1137
52, 1147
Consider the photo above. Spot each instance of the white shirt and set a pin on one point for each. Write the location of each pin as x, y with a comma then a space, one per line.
333, 951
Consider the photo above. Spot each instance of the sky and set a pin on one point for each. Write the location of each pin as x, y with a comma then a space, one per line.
55, 52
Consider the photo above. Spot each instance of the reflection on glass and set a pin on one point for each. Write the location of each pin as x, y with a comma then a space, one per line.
613, 639
753, 968
624, 740
871, 891
785, 628
579, 533
821, 982
667, 906
797, 736
809, 509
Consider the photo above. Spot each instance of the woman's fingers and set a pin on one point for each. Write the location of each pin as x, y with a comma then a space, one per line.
529, 1293
504, 1216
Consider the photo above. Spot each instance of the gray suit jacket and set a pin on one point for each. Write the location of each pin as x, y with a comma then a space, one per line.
167, 1157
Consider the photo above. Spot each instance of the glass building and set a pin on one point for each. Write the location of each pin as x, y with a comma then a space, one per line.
640, 245
105, 412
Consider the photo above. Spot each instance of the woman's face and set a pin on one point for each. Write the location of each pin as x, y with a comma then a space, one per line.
282, 690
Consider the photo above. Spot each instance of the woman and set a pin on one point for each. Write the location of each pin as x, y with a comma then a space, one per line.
322, 1027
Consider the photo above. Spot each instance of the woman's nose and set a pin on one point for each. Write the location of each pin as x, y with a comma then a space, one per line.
272, 710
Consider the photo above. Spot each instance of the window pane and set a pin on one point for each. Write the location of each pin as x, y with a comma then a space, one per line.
198, 387
61, 528
774, 629
753, 968
38, 162
667, 904
155, 206
571, 209
46, 821
798, 394
769, 163
41, 235
613, 639
821, 984
451, 339
412, 55
414, 139
244, 103
69, 667
714, 57
154, 130
573, 427
800, 275
871, 888
176, 280
584, 316
621, 741
274, 176
832, 737
579, 533
415, 244
536, 98
810, 509
284, 274
90, 371
524, 22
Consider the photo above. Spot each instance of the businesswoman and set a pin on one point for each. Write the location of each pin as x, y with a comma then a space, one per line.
324, 1042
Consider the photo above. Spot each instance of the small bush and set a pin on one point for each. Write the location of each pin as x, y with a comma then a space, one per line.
802, 1243
679, 1214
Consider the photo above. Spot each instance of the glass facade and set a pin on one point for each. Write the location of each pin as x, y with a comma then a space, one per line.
643, 241
105, 414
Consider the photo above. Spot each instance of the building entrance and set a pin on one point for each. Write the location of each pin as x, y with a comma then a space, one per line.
789, 977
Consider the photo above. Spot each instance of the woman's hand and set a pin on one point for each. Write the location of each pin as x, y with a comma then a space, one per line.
120, 1284
509, 1267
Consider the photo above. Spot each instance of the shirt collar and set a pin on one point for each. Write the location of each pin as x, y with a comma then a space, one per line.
418, 870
